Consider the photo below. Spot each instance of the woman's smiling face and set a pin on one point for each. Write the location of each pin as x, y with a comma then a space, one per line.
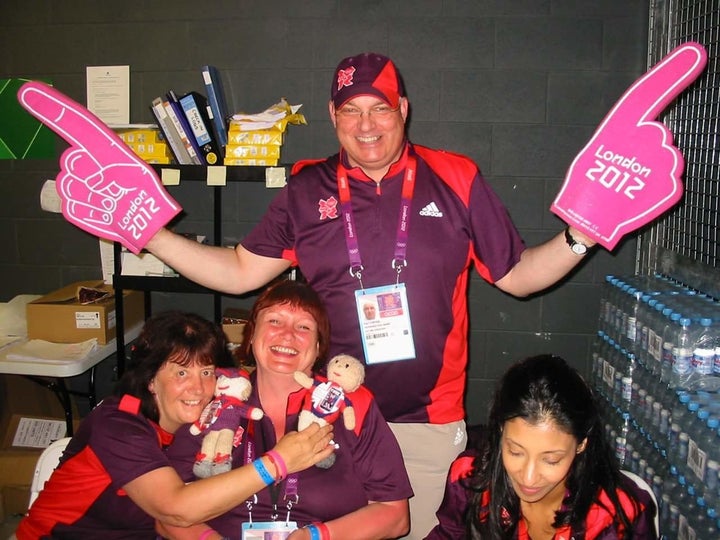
285, 339
181, 392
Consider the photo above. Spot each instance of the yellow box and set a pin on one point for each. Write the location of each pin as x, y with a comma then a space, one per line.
159, 160
156, 149
263, 151
269, 136
251, 162
136, 135
61, 318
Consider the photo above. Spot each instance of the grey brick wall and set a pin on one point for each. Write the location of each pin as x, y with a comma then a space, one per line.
517, 85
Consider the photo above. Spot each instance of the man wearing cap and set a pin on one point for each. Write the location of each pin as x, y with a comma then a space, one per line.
401, 224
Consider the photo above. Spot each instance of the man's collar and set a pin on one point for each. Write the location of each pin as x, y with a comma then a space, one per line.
358, 174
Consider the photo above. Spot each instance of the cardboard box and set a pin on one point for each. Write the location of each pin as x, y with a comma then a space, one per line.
233, 324
59, 316
15, 499
22, 398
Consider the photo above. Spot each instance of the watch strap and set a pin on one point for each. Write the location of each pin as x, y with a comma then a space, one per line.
577, 247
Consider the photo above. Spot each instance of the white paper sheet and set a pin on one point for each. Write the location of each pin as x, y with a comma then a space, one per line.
39, 350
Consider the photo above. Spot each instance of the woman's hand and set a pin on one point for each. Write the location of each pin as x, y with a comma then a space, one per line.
303, 449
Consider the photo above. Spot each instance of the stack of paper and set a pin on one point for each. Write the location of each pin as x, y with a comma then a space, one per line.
12, 316
256, 139
39, 350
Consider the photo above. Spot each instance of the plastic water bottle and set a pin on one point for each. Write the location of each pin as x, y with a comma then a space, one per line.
655, 419
604, 302
682, 352
698, 520
608, 375
716, 363
669, 488
697, 457
706, 447
596, 366
628, 375
710, 493
633, 302
654, 338
657, 487
682, 453
647, 300
664, 428
669, 338
621, 439
703, 359
621, 313
678, 420
657, 323
713, 528
670, 525
683, 497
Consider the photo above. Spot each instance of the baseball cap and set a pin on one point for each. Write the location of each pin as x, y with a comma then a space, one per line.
367, 74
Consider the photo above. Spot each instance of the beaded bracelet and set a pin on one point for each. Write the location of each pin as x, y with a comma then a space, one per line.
279, 463
263, 472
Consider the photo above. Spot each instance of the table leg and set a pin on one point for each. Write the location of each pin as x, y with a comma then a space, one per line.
58, 387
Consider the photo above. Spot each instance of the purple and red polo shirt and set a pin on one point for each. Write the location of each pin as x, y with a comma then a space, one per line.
456, 219
84, 497
601, 522
368, 467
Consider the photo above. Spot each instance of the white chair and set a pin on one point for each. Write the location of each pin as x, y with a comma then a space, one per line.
46, 464
642, 484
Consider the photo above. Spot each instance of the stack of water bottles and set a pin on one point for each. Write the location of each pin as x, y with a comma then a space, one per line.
656, 366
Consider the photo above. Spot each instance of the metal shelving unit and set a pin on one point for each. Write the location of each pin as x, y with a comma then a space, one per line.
148, 284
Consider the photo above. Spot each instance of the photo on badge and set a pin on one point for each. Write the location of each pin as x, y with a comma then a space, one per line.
268, 530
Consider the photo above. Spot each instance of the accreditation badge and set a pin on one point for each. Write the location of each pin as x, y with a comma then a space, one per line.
267, 530
385, 326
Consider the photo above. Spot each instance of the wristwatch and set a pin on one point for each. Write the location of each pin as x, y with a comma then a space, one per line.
578, 248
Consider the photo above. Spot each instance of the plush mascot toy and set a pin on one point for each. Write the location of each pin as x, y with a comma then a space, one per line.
220, 422
329, 398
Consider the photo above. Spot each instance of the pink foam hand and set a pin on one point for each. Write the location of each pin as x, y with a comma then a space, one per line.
630, 172
105, 188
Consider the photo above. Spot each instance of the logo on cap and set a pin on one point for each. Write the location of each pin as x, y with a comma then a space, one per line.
345, 77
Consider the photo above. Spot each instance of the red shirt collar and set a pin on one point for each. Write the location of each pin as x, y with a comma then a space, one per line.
164, 437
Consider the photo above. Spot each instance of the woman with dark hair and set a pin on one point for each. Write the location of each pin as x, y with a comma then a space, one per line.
114, 479
363, 494
543, 469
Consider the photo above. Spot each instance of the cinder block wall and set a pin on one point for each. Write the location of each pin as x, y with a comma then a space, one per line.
517, 85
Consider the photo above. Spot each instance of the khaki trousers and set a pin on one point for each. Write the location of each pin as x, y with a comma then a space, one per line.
428, 451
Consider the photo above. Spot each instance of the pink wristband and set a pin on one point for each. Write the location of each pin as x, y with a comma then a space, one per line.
205, 534
279, 462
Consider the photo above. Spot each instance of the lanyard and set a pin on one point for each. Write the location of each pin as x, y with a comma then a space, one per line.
290, 496
399, 261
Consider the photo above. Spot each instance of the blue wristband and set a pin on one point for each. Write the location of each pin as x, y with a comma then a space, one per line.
314, 531
264, 473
